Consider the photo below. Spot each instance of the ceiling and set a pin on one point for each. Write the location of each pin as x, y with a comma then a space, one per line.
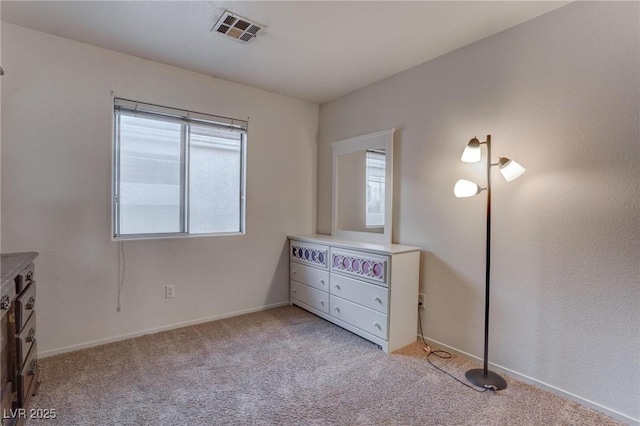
311, 50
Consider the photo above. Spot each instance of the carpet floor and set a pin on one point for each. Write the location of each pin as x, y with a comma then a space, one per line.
283, 366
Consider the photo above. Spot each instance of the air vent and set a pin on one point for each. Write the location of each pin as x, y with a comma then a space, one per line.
237, 27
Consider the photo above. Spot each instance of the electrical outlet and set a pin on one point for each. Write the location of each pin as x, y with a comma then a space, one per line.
169, 291
421, 300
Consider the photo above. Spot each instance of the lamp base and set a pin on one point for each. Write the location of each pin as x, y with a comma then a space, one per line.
490, 380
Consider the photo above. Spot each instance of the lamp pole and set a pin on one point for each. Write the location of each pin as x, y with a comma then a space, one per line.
483, 377
488, 262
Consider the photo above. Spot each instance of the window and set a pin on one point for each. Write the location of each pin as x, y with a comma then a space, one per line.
375, 189
176, 173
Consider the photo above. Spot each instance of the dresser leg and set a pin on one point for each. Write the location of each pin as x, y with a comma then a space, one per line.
36, 387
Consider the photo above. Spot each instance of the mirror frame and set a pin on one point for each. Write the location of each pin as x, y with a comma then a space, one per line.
378, 140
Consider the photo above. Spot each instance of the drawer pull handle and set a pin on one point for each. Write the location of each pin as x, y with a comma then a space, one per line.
293, 290
377, 299
321, 282
322, 302
295, 272
33, 368
31, 303
29, 276
5, 302
337, 287
376, 325
31, 335
337, 309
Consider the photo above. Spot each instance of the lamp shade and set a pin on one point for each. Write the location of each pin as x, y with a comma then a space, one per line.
466, 188
472, 153
510, 169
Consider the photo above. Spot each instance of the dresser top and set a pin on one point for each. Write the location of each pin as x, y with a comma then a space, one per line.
353, 244
11, 264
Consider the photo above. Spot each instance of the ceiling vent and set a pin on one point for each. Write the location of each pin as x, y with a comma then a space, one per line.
237, 27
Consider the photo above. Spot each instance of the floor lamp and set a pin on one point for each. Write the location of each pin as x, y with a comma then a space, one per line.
510, 170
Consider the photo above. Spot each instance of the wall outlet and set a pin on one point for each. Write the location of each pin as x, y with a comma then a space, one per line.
169, 291
421, 300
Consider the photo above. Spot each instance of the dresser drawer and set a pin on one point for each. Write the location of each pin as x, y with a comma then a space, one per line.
364, 318
25, 340
310, 254
370, 295
310, 296
28, 374
24, 278
6, 298
364, 266
25, 305
308, 275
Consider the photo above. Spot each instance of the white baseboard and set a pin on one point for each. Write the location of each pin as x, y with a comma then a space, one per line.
52, 352
550, 388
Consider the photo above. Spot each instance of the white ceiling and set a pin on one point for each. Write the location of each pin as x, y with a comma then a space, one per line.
315, 51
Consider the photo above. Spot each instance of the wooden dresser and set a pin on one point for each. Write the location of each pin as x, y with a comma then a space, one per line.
18, 359
368, 289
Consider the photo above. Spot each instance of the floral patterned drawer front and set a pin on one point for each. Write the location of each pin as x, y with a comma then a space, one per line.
366, 266
310, 254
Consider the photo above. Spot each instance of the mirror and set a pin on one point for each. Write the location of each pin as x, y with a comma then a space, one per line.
362, 187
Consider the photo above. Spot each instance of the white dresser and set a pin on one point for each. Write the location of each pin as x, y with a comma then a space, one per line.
368, 289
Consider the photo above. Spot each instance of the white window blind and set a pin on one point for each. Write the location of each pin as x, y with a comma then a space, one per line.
375, 170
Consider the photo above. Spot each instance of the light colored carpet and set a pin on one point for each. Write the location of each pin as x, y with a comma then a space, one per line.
281, 366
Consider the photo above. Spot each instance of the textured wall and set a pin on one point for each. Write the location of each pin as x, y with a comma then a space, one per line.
56, 183
561, 95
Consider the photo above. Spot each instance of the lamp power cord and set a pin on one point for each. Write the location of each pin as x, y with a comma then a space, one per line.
444, 355
122, 260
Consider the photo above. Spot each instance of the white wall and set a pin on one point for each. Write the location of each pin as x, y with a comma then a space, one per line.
560, 94
56, 174
352, 196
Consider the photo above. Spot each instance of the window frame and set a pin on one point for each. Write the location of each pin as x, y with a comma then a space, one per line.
186, 119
